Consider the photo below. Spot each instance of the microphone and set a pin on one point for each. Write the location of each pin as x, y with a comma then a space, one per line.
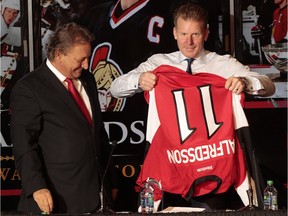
102, 208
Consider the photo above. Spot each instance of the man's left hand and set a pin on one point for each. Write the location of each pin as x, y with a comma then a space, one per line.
235, 84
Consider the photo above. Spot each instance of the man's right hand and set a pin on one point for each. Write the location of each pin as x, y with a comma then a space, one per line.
147, 81
44, 200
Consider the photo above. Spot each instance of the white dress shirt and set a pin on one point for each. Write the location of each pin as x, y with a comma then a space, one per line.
208, 62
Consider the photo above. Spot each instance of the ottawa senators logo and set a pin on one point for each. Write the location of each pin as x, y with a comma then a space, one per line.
105, 70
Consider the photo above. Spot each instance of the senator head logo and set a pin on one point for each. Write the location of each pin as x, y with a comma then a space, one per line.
105, 70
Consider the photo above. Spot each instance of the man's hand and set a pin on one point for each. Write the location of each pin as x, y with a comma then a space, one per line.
147, 81
235, 84
44, 200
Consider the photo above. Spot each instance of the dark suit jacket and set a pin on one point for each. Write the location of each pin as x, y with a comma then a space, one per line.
54, 145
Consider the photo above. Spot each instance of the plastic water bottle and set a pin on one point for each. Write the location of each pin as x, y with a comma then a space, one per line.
147, 199
270, 197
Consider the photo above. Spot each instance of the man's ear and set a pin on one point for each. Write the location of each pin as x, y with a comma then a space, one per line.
206, 33
175, 33
58, 55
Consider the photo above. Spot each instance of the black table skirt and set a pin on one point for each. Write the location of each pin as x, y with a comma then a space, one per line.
210, 213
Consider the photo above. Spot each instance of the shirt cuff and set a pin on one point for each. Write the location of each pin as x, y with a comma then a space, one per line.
253, 85
133, 81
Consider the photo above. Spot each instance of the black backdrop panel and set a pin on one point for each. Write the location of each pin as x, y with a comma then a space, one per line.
118, 48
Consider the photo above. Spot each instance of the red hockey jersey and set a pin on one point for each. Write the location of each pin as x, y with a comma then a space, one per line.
191, 127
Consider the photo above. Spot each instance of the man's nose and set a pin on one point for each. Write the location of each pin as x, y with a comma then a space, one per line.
85, 64
190, 39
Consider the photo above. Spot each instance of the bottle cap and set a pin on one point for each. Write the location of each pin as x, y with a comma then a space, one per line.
269, 182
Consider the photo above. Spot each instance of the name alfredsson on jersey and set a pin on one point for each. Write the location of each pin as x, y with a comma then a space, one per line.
202, 153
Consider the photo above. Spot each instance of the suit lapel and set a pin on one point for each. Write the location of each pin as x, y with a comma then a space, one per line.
62, 93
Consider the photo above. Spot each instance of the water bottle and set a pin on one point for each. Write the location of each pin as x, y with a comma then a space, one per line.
147, 199
270, 197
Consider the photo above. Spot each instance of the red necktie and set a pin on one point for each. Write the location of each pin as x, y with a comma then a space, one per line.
78, 99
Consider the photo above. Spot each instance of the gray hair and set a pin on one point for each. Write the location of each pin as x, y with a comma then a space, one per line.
65, 37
